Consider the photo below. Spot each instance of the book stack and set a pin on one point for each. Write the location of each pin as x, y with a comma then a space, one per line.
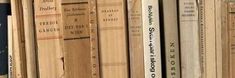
117, 38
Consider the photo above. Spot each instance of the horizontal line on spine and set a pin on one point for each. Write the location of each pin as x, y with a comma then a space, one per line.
76, 38
75, 3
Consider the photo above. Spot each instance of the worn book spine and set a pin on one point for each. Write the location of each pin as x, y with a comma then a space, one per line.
136, 39
93, 24
4, 12
189, 39
10, 48
171, 38
112, 27
49, 38
231, 39
77, 32
219, 52
207, 28
19, 41
151, 38
225, 40
30, 50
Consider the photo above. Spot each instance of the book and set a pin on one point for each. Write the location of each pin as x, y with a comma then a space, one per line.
189, 39
171, 37
49, 39
18, 40
230, 45
4, 12
219, 26
225, 39
136, 45
10, 48
94, 39
207, 28
144, 38
77, 32
30, 51
113, 48
151, 38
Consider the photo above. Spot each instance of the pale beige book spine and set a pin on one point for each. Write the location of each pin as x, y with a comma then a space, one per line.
171, 38
19, 41
29, 38
93, 24
112, 26
77, 44
136, 39
189, 39
10, 48
207, 16
49, 38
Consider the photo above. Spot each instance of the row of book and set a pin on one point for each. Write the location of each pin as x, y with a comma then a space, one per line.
117, 38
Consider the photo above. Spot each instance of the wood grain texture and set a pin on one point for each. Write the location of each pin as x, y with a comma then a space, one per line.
113, 38
136, 39
49, 38
30, 45
189, 35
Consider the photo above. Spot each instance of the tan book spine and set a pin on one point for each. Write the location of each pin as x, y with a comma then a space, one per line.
208, 53
218, 21
10, 48
225, 49
171, 38
136, 39
77, 32
29, 38
113, 38
189, 39
18, 39
231, 38
49, 38
93, 23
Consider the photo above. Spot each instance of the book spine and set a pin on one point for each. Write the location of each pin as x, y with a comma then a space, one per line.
75, 14
93, 24
136, 39
207, 23
49, 38
151, 38
28, 21
4, 11
10, 48
189, 39
112, 27
171, 35
225, 40
218, 21
231, 41
18, 40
